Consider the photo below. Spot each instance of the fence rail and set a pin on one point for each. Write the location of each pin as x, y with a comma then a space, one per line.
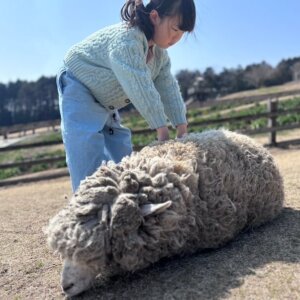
23, 128
32, 145
272, 128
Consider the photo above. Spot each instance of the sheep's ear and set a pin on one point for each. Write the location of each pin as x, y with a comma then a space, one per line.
103, 214
150, 209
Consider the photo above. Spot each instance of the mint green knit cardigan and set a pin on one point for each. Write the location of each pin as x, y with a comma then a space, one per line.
111, 63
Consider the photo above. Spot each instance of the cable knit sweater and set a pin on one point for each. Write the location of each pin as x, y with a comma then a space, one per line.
111, 63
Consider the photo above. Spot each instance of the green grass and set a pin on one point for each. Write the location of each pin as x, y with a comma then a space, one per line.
29, 154
268, 90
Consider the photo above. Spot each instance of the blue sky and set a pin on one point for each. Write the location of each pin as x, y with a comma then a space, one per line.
35, 34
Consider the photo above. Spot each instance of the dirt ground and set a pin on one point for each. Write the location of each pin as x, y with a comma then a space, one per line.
261, 264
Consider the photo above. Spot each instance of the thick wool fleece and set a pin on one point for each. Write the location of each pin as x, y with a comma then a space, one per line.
219, 183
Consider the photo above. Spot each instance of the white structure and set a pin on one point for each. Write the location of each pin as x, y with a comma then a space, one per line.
296, 71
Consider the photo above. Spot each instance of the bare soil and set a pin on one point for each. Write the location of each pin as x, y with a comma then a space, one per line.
261, 264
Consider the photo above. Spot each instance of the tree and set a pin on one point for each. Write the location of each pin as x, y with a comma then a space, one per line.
232, 81
25, 103
209, 85
46, 98
5, 117
12, 91
2, 97
257, 74
185, 80
283, 72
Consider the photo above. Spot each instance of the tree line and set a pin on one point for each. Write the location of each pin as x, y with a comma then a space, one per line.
209, 84
27, 102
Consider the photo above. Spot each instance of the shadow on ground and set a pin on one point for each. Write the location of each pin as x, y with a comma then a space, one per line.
212, 274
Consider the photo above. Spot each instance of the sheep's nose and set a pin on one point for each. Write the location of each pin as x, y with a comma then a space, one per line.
67, 287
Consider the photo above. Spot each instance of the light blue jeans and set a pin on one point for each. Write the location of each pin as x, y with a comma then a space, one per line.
91, 134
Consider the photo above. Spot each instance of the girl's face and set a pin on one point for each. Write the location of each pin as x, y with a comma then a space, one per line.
166, 31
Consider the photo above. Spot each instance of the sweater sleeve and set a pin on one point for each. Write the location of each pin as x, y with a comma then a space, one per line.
129, 65
170, 94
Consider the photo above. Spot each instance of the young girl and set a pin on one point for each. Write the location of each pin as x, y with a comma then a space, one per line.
121, 64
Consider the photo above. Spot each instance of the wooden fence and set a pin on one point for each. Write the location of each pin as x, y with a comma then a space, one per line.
272, 129
22, 129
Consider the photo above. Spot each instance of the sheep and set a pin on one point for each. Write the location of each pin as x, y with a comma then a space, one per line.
171, 198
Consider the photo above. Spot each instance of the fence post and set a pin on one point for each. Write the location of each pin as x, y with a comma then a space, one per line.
272, 108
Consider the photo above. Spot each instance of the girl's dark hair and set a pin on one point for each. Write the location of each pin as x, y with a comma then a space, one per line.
136, 14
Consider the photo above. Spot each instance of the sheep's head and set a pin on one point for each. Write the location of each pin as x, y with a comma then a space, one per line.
80, 235
80, 232
77, 277
86, 246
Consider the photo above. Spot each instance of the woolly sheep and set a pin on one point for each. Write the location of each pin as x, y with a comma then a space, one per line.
171, 198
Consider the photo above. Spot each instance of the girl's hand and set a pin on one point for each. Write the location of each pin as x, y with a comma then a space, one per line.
181, 130
162, 133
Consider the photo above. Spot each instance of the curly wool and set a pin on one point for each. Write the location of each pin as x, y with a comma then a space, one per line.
219, 183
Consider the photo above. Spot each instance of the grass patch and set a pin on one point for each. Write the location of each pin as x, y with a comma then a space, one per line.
23, 155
